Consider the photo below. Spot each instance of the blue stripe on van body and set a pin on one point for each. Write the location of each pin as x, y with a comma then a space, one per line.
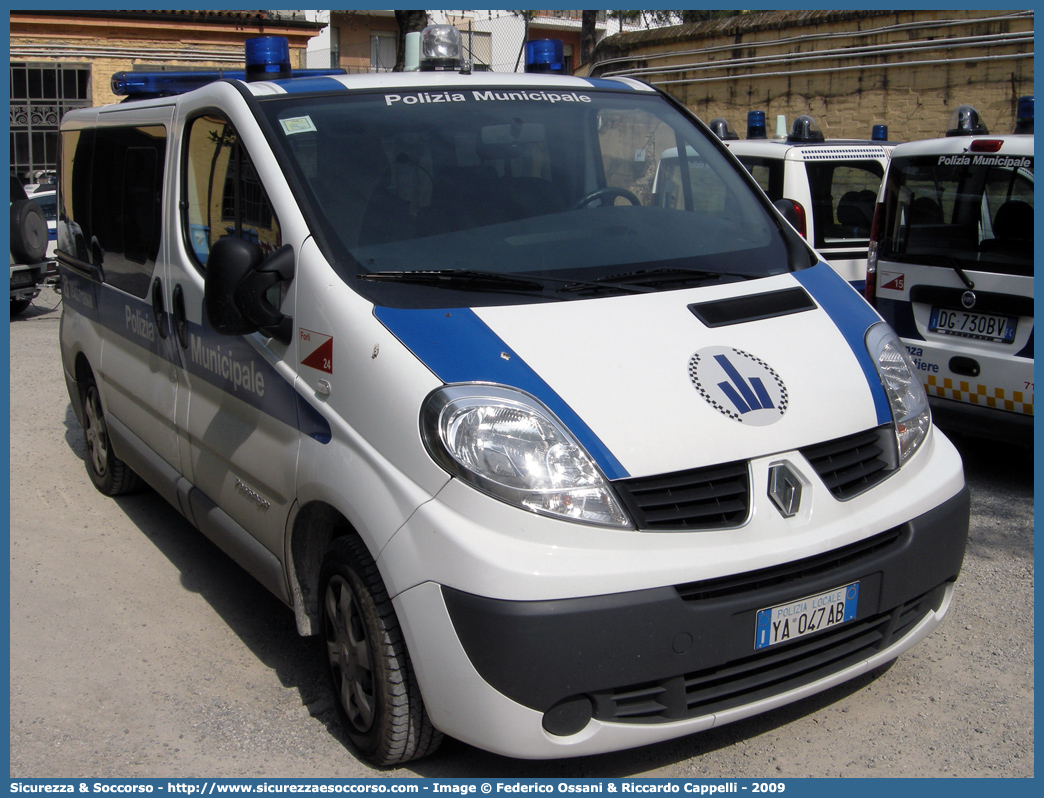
853, 317
459, 347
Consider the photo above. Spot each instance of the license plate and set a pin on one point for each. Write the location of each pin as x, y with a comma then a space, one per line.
795, 619
21, 278
981, 326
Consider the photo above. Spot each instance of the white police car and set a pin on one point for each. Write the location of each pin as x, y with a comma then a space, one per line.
829, 186
951, 269
551, 467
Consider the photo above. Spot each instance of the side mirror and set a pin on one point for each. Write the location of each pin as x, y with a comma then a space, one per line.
236, 288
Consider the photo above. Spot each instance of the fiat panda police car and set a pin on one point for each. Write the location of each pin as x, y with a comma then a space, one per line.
951, 269
826, 188
550, 467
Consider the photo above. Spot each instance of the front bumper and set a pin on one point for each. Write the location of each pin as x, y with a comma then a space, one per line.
577, 676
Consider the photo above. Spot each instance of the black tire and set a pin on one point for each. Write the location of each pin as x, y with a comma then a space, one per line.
20, 306
28, 232
369, 667
109, 474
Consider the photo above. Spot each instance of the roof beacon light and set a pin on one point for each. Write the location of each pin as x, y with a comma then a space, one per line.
964, 121
756, 125
442, 48
805, 130
1024, 116
545, 55
267, 58
879, 133
722, 129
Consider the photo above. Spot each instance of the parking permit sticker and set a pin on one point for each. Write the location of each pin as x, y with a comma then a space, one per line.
297, 124
316, 350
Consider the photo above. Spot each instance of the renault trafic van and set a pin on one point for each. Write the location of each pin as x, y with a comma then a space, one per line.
550, 468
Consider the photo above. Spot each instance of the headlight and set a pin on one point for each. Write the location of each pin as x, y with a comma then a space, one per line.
906, 396
508, 445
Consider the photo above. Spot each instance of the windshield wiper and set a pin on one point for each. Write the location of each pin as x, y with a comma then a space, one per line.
933, 258
475, 280
648, 279
458, 279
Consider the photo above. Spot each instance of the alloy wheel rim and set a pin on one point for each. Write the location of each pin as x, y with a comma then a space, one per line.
95, 433
349, 654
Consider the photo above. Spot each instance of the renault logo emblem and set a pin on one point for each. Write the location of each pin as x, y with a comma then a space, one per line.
968, 300
784, 488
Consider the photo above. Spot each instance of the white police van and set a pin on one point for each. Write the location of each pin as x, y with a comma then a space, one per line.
551, 469
826, 188
951, 269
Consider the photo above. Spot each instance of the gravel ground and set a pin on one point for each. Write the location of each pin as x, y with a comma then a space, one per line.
139, 650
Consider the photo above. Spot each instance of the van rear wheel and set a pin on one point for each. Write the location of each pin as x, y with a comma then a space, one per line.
369, 667
109, 474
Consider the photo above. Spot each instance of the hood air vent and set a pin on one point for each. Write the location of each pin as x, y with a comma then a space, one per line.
737, 310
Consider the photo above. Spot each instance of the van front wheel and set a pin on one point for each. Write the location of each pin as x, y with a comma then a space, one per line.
367, 660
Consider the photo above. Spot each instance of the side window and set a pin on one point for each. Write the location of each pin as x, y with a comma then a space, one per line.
222, 192
111, 212
843, 199
1012, 190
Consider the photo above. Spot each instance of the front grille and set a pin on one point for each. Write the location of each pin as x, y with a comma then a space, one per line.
715, 497
777, 575
852, 465
765, 674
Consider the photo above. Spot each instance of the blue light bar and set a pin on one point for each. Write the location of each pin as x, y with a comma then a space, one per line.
756, 125
545, 55
879, 133
142, 85
268, 58
1024, 116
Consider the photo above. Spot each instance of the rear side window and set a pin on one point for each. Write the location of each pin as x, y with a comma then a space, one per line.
111, 212
843, 199
222, 193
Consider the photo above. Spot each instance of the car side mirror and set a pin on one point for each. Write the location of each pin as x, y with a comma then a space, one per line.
237, 284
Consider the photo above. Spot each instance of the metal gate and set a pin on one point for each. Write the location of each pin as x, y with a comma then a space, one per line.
40, 94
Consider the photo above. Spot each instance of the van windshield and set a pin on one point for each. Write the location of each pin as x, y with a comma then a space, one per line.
540, 193
971, 211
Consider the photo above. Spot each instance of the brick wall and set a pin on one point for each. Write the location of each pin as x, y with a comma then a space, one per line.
117, 44
848, 69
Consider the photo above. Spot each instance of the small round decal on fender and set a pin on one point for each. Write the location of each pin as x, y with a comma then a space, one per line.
739, 385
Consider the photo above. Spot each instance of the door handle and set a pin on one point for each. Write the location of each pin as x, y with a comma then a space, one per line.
180, 322
157, 307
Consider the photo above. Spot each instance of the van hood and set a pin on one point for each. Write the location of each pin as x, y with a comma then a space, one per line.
673, 380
